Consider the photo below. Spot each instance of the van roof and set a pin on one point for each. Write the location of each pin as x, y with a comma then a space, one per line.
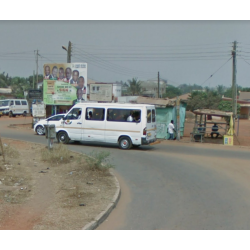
116, 104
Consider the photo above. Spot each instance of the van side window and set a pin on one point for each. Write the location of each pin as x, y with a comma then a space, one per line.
74, 114
148, 116
24, 102
124, 115
153, 115
18, 102
95, 114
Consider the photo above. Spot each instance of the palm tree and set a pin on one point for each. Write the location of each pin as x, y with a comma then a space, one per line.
134, 87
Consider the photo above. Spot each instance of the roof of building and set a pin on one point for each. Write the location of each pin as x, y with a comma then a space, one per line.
5, 91
212, 112
241, 102
244, 96
156, 101
183, 97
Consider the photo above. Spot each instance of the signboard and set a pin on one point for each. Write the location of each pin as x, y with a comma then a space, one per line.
35, 94
100, 92
65, 83
38, 110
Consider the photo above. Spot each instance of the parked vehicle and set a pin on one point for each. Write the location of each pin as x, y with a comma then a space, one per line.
55, 119
126, 124
13, 107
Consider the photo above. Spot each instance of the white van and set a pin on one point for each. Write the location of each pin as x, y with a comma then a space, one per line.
126, 124
13, 107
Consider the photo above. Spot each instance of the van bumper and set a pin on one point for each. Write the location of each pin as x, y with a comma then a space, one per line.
144, 141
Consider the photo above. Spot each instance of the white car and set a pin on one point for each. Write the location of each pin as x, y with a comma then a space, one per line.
55, 119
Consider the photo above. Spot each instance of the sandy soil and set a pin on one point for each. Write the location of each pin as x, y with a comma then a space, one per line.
38, 195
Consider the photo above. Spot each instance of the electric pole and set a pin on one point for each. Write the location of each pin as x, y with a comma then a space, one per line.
234, 86
69, 53
36, 67
158, 84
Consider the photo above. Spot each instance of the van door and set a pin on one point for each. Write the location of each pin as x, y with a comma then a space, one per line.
94, 124
151, 125
73, 124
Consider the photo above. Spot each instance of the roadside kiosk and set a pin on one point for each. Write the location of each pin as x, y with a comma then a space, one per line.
203, 125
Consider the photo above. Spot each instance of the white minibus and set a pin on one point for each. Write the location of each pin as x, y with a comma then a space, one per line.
126, 124
13, 107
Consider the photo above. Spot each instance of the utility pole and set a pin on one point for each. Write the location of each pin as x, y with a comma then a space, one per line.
69, 52
36, 67
33, 79
158, 84
178, 118
234, 86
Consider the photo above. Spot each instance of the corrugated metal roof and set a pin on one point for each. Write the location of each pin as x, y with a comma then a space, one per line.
156, 101
5, 91
244, 96
212, 112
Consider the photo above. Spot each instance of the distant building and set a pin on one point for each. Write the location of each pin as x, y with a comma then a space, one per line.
244, 96
150, 88
6, 93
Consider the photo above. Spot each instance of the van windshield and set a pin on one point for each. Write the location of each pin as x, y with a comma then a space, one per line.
5, 103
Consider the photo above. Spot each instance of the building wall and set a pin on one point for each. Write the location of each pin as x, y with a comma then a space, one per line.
244, 112
164, 117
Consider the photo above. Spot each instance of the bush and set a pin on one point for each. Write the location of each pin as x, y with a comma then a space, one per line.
99, 161
59, 153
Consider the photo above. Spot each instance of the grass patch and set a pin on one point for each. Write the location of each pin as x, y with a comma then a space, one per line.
59, 153
99, 161
10, 151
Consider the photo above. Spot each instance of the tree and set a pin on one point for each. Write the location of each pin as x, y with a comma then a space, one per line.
187, 88
203, 100
134, 87
227, 106
172, 92
220, 90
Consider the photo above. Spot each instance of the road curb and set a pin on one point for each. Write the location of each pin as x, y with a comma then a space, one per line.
104, 214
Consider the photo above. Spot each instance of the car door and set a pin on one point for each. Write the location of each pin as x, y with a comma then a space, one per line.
73, 124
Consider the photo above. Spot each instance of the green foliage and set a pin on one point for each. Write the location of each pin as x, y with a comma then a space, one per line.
99, 161
134, 87
203, 100
227, 106
172, 92
245, 90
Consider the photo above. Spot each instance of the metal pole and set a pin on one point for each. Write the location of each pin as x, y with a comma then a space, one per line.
69, 53
238, 125
158, 84
36, 68
178, 118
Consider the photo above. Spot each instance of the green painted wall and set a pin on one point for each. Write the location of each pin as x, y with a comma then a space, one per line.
164, 117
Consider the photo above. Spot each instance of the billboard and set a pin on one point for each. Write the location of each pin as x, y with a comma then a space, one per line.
100, 92
64, 83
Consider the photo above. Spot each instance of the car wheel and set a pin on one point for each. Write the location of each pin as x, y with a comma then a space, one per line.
125, 143
63, 137
40, 130
24, 113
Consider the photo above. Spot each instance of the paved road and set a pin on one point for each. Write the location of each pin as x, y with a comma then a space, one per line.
173, 185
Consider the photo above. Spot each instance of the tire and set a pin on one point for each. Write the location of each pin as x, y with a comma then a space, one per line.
40, 130
63, 137
125, 143
24, 113
10, 114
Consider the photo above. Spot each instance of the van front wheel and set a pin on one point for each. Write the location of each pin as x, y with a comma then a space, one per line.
63, 137
125, 143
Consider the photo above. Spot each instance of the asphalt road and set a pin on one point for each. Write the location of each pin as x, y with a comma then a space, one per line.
172, 185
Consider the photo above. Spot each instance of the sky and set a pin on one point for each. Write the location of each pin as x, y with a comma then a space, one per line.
191, 52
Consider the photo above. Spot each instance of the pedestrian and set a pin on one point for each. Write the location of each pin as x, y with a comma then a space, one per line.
171, 130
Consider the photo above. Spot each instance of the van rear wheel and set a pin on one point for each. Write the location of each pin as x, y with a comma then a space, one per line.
63, 137
125, 143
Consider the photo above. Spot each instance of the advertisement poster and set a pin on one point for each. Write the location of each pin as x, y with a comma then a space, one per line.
64, 83
101, 92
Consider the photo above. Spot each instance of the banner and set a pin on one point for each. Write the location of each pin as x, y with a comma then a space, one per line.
64, 83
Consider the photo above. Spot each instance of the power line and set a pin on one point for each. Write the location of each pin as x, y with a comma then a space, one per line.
217, 70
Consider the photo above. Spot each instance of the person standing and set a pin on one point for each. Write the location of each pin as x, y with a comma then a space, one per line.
171, 130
